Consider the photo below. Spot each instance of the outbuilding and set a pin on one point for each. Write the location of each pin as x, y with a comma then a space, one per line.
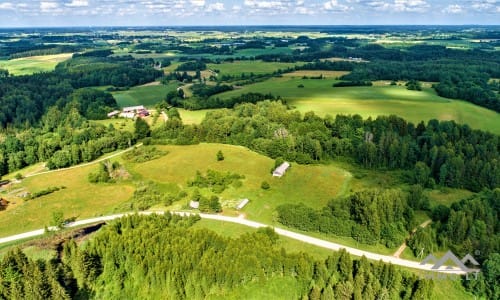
281, 170
242, 204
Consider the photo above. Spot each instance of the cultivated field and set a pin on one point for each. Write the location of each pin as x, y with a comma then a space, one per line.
248, 66
319, 96
147, 95
33, 64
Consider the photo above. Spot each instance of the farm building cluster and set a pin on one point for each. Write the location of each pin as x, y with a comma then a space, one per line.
130, 112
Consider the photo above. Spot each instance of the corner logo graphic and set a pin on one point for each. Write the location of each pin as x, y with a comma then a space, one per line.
455, 262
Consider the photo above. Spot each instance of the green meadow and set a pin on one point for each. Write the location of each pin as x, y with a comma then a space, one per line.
249, 66
81, 199
33, 64
319, 182
147, 95
381, 99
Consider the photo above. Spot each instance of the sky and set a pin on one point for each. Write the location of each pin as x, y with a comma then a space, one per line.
36, 13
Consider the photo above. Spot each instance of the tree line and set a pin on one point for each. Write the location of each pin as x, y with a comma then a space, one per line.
164, 257
437, 153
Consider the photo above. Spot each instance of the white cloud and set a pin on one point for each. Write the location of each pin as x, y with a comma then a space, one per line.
78, 3
6, 5
49, 7
400, 5
263, 4
453, 9
218, 6
334, 5
197, 3
487, 6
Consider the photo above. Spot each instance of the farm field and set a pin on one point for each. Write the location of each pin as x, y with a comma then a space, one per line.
249, 66
319, 96
33, 64
147, 95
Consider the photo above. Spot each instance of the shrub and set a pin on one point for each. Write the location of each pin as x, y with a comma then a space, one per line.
265, 185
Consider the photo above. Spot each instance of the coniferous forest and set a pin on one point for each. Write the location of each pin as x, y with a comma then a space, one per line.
162, 257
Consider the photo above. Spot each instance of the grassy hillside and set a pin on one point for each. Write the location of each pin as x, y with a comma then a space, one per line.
320, 183
78, 199
33, 64
321, 97
82, 199
147, 95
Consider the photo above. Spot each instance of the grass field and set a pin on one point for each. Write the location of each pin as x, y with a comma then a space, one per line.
192, 116
319, 96
33, 64
79, 199
249, 66
320, 183
147, 95
315, 73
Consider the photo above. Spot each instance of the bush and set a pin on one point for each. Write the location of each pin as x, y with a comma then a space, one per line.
220, 156
265, 185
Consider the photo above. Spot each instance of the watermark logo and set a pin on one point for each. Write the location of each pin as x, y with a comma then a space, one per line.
450, 264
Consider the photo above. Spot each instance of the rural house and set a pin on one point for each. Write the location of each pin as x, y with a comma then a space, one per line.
280, 171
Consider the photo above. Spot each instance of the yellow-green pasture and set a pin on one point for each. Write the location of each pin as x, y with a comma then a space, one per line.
33, 64
319, 96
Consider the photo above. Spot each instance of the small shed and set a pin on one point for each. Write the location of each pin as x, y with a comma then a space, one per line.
194, 204
242, 203
280, 171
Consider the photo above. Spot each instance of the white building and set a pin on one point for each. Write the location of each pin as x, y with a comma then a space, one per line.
242, 204
280, 171
133, 108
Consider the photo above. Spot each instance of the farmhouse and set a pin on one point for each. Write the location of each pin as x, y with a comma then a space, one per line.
130, 112
280, 171
242, 203
133, 108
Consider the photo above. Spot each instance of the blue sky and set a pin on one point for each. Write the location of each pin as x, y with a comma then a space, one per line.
26, 13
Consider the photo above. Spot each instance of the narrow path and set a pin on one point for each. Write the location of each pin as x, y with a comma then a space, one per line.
85, 164
403, 246
297, 236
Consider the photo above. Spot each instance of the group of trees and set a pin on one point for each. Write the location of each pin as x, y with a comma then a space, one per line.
369, 216
196, 103
215, 180
163, 257
443, 153
468, 226
61, 146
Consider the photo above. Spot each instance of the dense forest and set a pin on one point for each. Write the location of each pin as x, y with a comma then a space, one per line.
164, 257
437, 153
